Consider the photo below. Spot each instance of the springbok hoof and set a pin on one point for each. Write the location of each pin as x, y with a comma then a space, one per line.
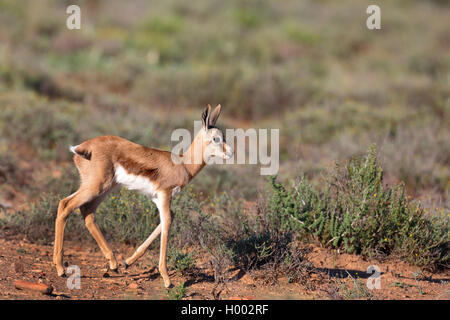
60, 271
115, 270
62, 275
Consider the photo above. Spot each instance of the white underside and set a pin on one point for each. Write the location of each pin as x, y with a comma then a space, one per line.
134, 182
139, 183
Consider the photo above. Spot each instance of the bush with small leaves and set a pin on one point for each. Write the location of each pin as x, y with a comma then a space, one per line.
357, 213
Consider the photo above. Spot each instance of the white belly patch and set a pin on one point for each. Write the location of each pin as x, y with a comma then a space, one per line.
140, 183
134, 182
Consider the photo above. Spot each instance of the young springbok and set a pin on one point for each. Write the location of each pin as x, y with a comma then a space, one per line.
108, 161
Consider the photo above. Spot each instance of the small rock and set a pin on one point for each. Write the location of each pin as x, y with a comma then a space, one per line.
36, 270
133, 286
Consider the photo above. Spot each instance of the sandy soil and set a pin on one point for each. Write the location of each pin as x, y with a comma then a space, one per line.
333, 278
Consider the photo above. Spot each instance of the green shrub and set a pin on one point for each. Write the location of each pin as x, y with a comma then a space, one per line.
181, 261
176, 293
357, 213
196, 227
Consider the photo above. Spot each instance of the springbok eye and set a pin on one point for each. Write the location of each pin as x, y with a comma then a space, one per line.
216, 139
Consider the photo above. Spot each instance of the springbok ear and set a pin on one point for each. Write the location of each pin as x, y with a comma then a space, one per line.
214, 115
205, 116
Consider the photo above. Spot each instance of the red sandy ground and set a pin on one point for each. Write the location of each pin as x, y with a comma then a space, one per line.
20, 260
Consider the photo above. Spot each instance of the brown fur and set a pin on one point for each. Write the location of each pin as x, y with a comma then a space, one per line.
156, 165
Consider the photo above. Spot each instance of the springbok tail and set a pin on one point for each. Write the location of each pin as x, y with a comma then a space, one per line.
82, 152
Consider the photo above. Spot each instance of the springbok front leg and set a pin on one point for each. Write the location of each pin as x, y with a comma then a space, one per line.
164, 199
88, 211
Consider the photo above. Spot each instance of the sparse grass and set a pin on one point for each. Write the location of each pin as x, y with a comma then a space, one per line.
358, 290
37, 223
402, 285
127, 217
49, 132
183, 262
177, 292
124, 217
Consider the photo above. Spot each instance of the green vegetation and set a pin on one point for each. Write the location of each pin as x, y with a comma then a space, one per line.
311, 69
357, 291
176, 293
358, 213
37, 223
128, 217
181, 261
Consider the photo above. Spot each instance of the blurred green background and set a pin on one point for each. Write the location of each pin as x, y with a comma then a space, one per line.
140, 69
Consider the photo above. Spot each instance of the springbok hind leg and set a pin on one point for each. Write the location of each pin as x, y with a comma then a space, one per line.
65, 207
143, 247
88, 211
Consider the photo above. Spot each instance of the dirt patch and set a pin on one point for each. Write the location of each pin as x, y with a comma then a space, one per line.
334, 277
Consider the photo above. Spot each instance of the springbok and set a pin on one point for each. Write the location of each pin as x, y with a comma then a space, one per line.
109, 161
